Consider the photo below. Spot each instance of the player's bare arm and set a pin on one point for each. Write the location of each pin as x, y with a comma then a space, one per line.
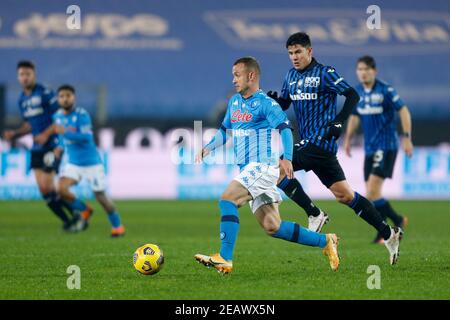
24, 129
405, 120
43, 137
352, 126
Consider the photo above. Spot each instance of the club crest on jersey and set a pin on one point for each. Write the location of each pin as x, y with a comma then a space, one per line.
237, 116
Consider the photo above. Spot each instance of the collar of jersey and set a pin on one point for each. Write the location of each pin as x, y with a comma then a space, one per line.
252, 96
373, 87
311, 65
72, 111
32, 90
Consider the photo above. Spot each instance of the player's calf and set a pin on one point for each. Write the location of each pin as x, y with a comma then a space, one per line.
118, 230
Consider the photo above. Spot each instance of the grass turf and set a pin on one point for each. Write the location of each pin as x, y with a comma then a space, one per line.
35, 254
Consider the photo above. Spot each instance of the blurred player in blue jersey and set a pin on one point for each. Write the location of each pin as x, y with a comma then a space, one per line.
313, 88
37, 105
376, 111
250, 118
74, 125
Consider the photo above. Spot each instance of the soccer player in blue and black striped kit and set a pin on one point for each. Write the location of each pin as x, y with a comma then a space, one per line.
312, 88
37, 105
376, 111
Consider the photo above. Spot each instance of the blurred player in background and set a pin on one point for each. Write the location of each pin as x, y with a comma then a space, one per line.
376, 111
74, 125
37, 105
313, 89
251, 115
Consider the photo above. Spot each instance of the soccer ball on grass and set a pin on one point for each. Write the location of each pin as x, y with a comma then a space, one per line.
148, 259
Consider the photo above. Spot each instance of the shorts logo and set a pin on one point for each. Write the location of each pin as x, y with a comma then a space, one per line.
222, 235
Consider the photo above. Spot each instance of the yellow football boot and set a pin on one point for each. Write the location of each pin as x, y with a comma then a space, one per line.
216, 261
331, 251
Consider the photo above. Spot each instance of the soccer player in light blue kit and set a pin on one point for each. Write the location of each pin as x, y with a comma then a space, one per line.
75, 127
250, 118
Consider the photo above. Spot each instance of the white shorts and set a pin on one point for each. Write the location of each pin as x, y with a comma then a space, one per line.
95, 175
261, 181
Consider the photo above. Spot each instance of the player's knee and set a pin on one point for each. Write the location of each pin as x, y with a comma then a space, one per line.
63, 191
229, 196
45, 189
271, 227
344, 197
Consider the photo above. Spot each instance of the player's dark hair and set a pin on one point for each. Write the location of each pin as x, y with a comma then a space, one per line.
250, 63
66, 87
368, 61
300, 38
25, 64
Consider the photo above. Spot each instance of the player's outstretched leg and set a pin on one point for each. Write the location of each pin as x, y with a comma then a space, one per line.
293, 189
385, 209
82, 212
269, 218
366, 210
234, 196
374, 193
54, 202
229, 228
118, 230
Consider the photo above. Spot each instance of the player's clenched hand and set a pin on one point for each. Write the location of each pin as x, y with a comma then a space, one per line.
58, 153
59, 129
334, 129
41, 138
286, 165
199, 157
8, 135
408, 147
273, 95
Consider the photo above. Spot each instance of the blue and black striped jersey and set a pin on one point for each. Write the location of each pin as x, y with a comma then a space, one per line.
37, 109
377, 110
313, 92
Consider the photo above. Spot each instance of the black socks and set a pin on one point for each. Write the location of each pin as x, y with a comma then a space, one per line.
385, 209
294, 190
56, 205
366, 210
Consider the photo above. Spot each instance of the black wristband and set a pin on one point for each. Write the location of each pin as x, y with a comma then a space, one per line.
406, 135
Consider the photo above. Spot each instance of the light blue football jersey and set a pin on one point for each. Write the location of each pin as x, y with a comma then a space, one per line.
251, 122
78, 139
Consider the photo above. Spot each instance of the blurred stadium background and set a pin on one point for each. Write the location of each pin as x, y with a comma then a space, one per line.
146, 68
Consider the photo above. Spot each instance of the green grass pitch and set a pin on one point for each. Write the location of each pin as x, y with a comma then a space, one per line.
35, 255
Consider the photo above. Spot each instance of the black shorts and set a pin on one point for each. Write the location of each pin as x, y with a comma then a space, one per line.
47, 164
324, 164
381, 164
